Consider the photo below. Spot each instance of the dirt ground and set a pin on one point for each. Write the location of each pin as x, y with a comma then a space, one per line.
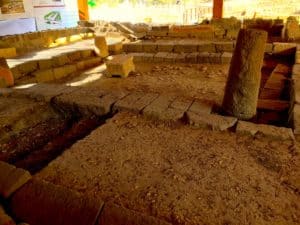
204, 81
181, 175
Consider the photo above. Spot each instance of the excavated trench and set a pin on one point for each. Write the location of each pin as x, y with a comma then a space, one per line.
36, 145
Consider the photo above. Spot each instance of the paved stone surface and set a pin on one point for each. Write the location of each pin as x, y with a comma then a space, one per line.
176, 109
211, 121
201, 107
128, 102
39, 202
157, 108
276, 133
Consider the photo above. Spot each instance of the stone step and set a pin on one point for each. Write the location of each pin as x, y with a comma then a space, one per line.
273, 105
28, 67
194, 57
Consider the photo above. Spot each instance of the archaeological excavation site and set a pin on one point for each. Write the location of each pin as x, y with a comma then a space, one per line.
149, 112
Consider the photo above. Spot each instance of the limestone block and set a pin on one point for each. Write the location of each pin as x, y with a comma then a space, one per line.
45, 64
16, 179
157, 33
92, 62
74, 56
284, 48
297, 57
215, 58
160, 57
44, 75
74, 38
210, 121
61, 40
176, 110
296, 121
133, 47
28, 67
157, 108
296, 70
60, 60
120, 65
116, 215
101, 47
165, 47
86, 53
116, 48
171, 57
192, 57
8, 52
269, 48
203, 57
273, 132
224, 46
144, 101
226, 57
64, 71
201, 107
185, 47
39, 202
127, 103
149, 47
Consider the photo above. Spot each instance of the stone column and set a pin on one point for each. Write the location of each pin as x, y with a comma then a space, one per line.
242, 87
5, 73
101, 46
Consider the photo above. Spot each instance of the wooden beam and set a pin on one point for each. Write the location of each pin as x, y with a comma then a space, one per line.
217, 9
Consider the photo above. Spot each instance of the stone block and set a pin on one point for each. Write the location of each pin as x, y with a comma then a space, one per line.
284, 48
28, 67
215, 58
192, 57
128, 103
203, 57
297, 57
269, 48
16, 72
226, 57
185, 48
273, 132
160, 57
144, 101
120, 65
101, 47
133, 47
86, 53
74, 56
45, 64
157, 33
60, 60
176, 110
40, 202
8, 53
44, 75
116, 215
181, 58
64, 71
206, 47
165, 47
115, 48
16, 179
224, 46
137, 56
211, 121
171, 57
201, 107
157, 108
296, 121
149, 47
296, 70
92, 62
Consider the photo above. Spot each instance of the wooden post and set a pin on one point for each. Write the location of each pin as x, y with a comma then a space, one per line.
217, 9
242, 87
83, 10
